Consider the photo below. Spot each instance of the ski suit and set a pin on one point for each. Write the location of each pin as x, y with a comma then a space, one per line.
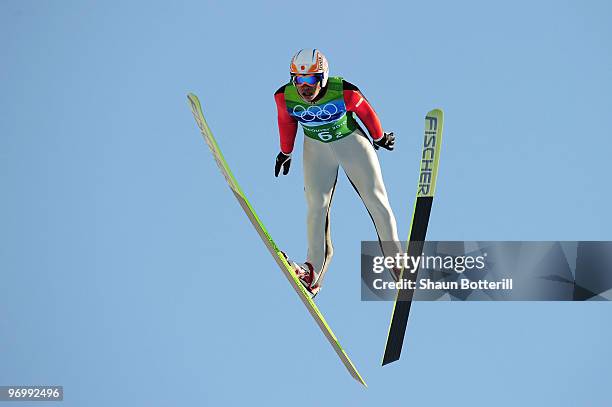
334, 139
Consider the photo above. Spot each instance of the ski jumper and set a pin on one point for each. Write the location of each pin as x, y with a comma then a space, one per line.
334, 139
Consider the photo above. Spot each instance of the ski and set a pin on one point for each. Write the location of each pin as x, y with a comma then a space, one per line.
426, 189
280, 259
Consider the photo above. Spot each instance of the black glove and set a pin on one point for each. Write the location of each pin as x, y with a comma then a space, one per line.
387, 142
282, 160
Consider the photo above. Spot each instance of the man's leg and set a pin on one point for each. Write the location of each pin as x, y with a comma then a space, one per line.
320, 175
358, 159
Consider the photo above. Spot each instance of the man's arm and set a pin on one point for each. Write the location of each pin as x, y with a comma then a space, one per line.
287, 125
357, 103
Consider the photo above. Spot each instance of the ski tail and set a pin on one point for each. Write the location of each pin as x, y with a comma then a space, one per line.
430, 159
280, 259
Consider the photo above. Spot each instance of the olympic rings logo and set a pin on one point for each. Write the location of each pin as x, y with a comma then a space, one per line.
315, 112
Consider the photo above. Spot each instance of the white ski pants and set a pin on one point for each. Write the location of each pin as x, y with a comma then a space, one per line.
357, 157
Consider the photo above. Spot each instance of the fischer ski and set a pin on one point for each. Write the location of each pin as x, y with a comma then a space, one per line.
430, 159
267, 239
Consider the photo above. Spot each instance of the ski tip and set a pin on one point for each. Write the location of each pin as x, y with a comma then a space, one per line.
435, 112
358, 377
194, 102
353, 371
192, 97
392, 354
386, 361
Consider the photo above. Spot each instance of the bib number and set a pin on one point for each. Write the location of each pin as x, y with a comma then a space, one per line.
325, 136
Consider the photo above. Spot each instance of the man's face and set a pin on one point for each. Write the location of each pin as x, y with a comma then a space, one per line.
307, 91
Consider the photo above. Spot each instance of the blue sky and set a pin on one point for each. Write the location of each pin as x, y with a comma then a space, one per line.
131, 277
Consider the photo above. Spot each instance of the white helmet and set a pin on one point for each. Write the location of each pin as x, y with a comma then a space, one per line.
309, 61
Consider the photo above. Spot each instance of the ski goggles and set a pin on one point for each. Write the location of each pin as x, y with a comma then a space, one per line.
310, 80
